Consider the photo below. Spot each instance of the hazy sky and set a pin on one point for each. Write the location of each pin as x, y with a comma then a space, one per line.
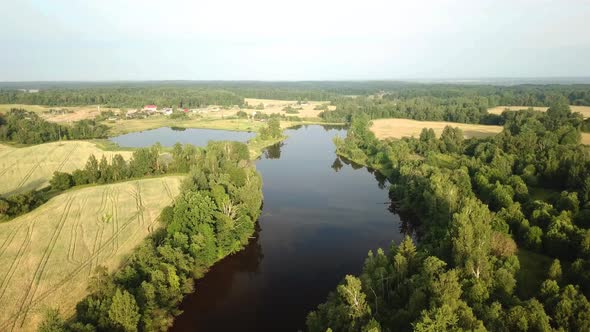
292, 40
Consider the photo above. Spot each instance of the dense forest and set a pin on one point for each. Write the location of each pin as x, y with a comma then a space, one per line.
124, 97
20, 126
465, 104
214, 216
196, 94
483, 208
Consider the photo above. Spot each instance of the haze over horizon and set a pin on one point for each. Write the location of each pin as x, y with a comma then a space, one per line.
306, 40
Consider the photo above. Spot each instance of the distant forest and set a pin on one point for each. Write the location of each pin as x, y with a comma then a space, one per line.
197, 94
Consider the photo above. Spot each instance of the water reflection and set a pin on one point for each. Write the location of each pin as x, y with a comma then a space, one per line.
321, 216
337, 164
169, 136
219, 290
273, 151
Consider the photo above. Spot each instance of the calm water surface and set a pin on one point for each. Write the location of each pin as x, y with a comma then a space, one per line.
321, 216
169, 136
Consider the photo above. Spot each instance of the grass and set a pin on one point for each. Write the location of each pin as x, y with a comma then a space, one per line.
121, 127
533, 271
276, 106
256, 146
48, 255
584, 110
74, 113
398, 128
28, 168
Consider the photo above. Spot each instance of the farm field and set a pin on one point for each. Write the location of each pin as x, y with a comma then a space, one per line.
398, 128
584, 110
28, 168
48, 255
69, 114
121, 127
276, 106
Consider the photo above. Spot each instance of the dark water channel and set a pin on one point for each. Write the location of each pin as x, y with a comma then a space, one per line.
321, 216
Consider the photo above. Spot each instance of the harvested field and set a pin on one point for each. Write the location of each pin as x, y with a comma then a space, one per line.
25, 169
584, 110
276, 106
398, 128
61, 114
48, 255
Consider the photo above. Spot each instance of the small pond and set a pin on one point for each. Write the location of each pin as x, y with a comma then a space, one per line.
169, 136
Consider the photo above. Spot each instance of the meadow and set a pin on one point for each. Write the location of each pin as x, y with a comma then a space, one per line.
307, 110
48, 255
584, 110
62, 114
27, 168
398, 128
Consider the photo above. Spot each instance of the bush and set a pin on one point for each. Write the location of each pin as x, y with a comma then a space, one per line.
61, 181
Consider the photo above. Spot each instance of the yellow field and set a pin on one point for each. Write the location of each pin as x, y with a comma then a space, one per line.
24, 169
120, 127
276, 106
75, 113
48, 255
584, 110
398, 128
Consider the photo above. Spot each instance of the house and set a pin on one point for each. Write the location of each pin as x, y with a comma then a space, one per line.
150, 108
185, 110
167, 111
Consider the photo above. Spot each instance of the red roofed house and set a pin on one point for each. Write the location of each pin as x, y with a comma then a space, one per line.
150, 108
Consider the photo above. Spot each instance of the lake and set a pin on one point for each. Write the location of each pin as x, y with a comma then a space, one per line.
321, 216
169, 136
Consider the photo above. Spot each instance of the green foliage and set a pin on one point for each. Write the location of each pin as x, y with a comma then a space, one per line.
123, 311
471, 197
213, 217
61, 181
52, 322
25, 127
271, 130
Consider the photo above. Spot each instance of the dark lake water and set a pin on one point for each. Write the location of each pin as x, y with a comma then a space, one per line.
169, 136
321, 216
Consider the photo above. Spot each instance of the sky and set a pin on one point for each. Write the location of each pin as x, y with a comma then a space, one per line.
90, 40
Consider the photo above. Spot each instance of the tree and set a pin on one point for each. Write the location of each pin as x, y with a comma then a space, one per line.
52, 322
61, 181
354, 298
472, 237
92, 170
124, 311
452, 139
555, 270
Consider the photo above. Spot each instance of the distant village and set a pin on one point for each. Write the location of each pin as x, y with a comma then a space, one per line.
149, 110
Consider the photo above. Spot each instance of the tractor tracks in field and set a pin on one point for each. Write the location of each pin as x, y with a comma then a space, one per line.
38, 275
32, 169
101, 225
102, 247
71, 254
17, 259
67, 158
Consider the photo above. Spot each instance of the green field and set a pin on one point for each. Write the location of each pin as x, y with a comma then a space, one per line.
28, 168
47, 256
120, 127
